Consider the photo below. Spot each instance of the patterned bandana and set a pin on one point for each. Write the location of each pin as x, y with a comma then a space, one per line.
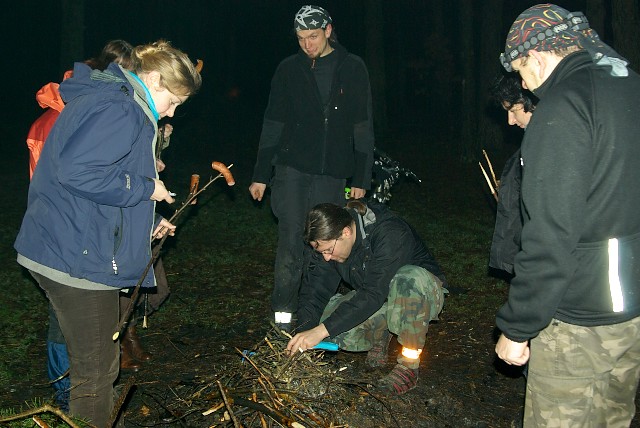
311, 17
546, 27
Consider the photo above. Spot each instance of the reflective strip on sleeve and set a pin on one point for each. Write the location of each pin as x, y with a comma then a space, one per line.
614, 278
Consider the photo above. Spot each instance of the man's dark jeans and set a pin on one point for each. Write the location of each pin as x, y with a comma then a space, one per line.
293, 194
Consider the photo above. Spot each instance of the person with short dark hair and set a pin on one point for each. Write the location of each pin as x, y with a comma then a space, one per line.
507, 92
317, 134
573, 311
397, 287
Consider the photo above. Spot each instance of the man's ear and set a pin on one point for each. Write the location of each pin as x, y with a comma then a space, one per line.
327, 31
346, 231
541, 61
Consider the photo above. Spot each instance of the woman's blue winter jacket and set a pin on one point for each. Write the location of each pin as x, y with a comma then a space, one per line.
89, 212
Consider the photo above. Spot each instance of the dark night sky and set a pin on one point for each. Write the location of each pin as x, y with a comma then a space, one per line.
240, 41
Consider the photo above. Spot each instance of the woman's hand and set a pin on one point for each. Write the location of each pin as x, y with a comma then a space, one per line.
160, 193
164, 228
167, 129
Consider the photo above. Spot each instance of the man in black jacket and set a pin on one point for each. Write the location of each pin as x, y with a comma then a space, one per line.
574, 304
397, 287
317, 133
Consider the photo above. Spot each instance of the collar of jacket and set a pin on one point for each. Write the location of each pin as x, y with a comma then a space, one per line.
338, 50
139, 95
568, 65
362, 222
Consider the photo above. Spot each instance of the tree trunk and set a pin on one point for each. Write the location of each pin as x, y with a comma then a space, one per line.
374, 23
72, 33
467, 145
626, 21
440, 69
490, 47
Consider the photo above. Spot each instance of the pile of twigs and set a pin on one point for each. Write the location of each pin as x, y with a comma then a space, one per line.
267, 387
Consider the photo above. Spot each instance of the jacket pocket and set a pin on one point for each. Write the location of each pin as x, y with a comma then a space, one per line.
118, 232
607, 278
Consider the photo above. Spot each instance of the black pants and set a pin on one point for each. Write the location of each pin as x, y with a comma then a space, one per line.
293, 194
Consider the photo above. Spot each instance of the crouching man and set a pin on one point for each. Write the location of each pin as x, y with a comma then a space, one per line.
397, 288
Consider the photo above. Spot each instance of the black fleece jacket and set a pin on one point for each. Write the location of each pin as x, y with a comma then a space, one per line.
580, 189
301, 132
384, 243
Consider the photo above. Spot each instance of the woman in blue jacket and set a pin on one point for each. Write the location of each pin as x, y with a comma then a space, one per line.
90, 215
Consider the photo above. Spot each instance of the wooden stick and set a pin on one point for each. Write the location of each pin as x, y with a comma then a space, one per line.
495, 182
124, 319
213, 409
486, 177
228, 404
46, 408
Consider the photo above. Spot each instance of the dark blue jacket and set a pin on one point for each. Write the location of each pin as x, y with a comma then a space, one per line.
89, 212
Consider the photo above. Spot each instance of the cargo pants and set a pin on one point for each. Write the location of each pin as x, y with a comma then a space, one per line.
583, 376
416, 297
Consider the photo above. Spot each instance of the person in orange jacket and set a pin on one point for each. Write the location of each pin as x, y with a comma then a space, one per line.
48, 97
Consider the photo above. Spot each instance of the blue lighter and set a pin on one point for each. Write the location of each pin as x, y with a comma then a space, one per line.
327, 346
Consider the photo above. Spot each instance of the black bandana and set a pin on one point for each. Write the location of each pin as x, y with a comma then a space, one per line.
311, 17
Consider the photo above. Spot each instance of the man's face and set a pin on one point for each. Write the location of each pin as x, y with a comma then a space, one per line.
315, 43
516, 115
528, 68
337, 250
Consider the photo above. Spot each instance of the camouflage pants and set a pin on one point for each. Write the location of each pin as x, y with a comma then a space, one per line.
583, 376
415, 298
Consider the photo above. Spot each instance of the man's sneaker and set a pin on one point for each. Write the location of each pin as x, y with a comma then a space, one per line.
400, 380
379, 352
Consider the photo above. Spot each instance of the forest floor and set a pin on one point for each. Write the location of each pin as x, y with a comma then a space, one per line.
219, 268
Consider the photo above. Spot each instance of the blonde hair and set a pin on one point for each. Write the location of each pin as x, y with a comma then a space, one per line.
177, 73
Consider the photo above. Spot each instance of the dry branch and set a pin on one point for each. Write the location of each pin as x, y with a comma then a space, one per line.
47, 408
493, 183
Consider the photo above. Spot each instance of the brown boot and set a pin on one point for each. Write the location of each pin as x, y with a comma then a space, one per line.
127, 362
135, 345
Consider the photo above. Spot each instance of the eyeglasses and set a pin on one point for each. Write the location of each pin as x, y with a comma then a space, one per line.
329, 252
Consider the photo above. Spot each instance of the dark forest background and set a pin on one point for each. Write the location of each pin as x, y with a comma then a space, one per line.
431, 61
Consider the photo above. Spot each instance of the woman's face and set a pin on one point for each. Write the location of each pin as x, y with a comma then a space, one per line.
166, 102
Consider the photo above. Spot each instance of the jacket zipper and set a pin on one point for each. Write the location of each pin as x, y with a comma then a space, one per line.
327, 109
117, 239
